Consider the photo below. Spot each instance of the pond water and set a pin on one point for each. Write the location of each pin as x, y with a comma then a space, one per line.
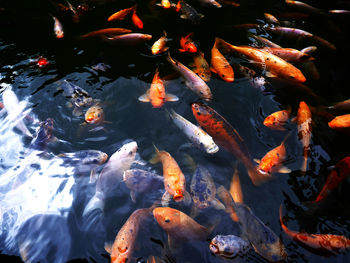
42, 200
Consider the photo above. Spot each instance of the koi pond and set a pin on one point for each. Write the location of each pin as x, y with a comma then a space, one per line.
174, 131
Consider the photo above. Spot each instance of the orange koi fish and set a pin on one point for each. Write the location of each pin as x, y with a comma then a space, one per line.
304, 7
174, 179
220, 65
94, 115
179, 226
235, 187
123, 247
107, 31
341, 106
165, 4
340, 172
156, 94
324, 243
272, 161
290, 54
187, 44
277, 120
128, 39
226, 136
304, 130
159, 46
202, 66
120, 15
264, 41
136, 20
340, 123
227, 198
275, 67
58, 28
271, 19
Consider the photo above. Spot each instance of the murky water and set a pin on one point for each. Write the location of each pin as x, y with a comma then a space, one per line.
42, 198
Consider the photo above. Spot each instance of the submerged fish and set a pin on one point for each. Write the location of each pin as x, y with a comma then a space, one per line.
106, 31
196, 135
339, 173
123, 246
136, 20
203, 190
264, 241
340, 123
156, 94
179, 226
142, 181
202, 68
274, 66
227, 137
111, 175
304, 130
94, 115
120, 15
320, 243
187, 44
192, 81
290, 54
174, 179
159, 46
228, 246
128, 39
220, 65
189, 13
277, 120
58, 28
211, 3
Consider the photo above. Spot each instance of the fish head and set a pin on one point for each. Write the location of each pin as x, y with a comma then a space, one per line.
191, 47
269, 121
166, 3
209, 145
94, 114
127, 152
225, 246
93, 157
168, 218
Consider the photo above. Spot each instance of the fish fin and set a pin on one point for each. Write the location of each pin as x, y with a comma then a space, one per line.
217, 204
171, 97
256, 160
140, 162
189, 162
145, 97
194, 211
213, 70
93, 176
77, 112
183, 16
187, 198
294, 120
108, 248
284, 170
182, 50
95, 203
155, 159
270, 75
133, 196
166, 199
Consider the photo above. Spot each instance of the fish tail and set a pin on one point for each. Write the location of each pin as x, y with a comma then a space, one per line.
95, 202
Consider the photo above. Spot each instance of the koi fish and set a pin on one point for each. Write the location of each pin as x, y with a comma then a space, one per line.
290, 54
123, 246
271, 19
187, 44
159, 46
192, 81
304, 7
340, 123
111, 175
179, 226
277, 120
264, 241
339, 173
304, 130
228, 246
341, 106
220, 65
338, 11
272, 161
42, 62
324, 243
156, 94
106, 31
189, 13
274, 66
120, 15
58, 28
228, 201
136, 20
211, 3
94, 115
196, 135
229, 2
128, 39
203, 191
174, 179
298, 33
264, 41
235, 188
142, 181
226, 136
201, 66
165, 4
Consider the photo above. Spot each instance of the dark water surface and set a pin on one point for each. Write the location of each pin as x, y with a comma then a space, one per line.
26, 32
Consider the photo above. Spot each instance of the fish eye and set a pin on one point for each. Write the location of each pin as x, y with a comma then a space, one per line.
167, 220
292, 77
130, 153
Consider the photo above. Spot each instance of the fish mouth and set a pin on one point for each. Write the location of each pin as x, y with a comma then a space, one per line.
213, 149
178, 197
213, 248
